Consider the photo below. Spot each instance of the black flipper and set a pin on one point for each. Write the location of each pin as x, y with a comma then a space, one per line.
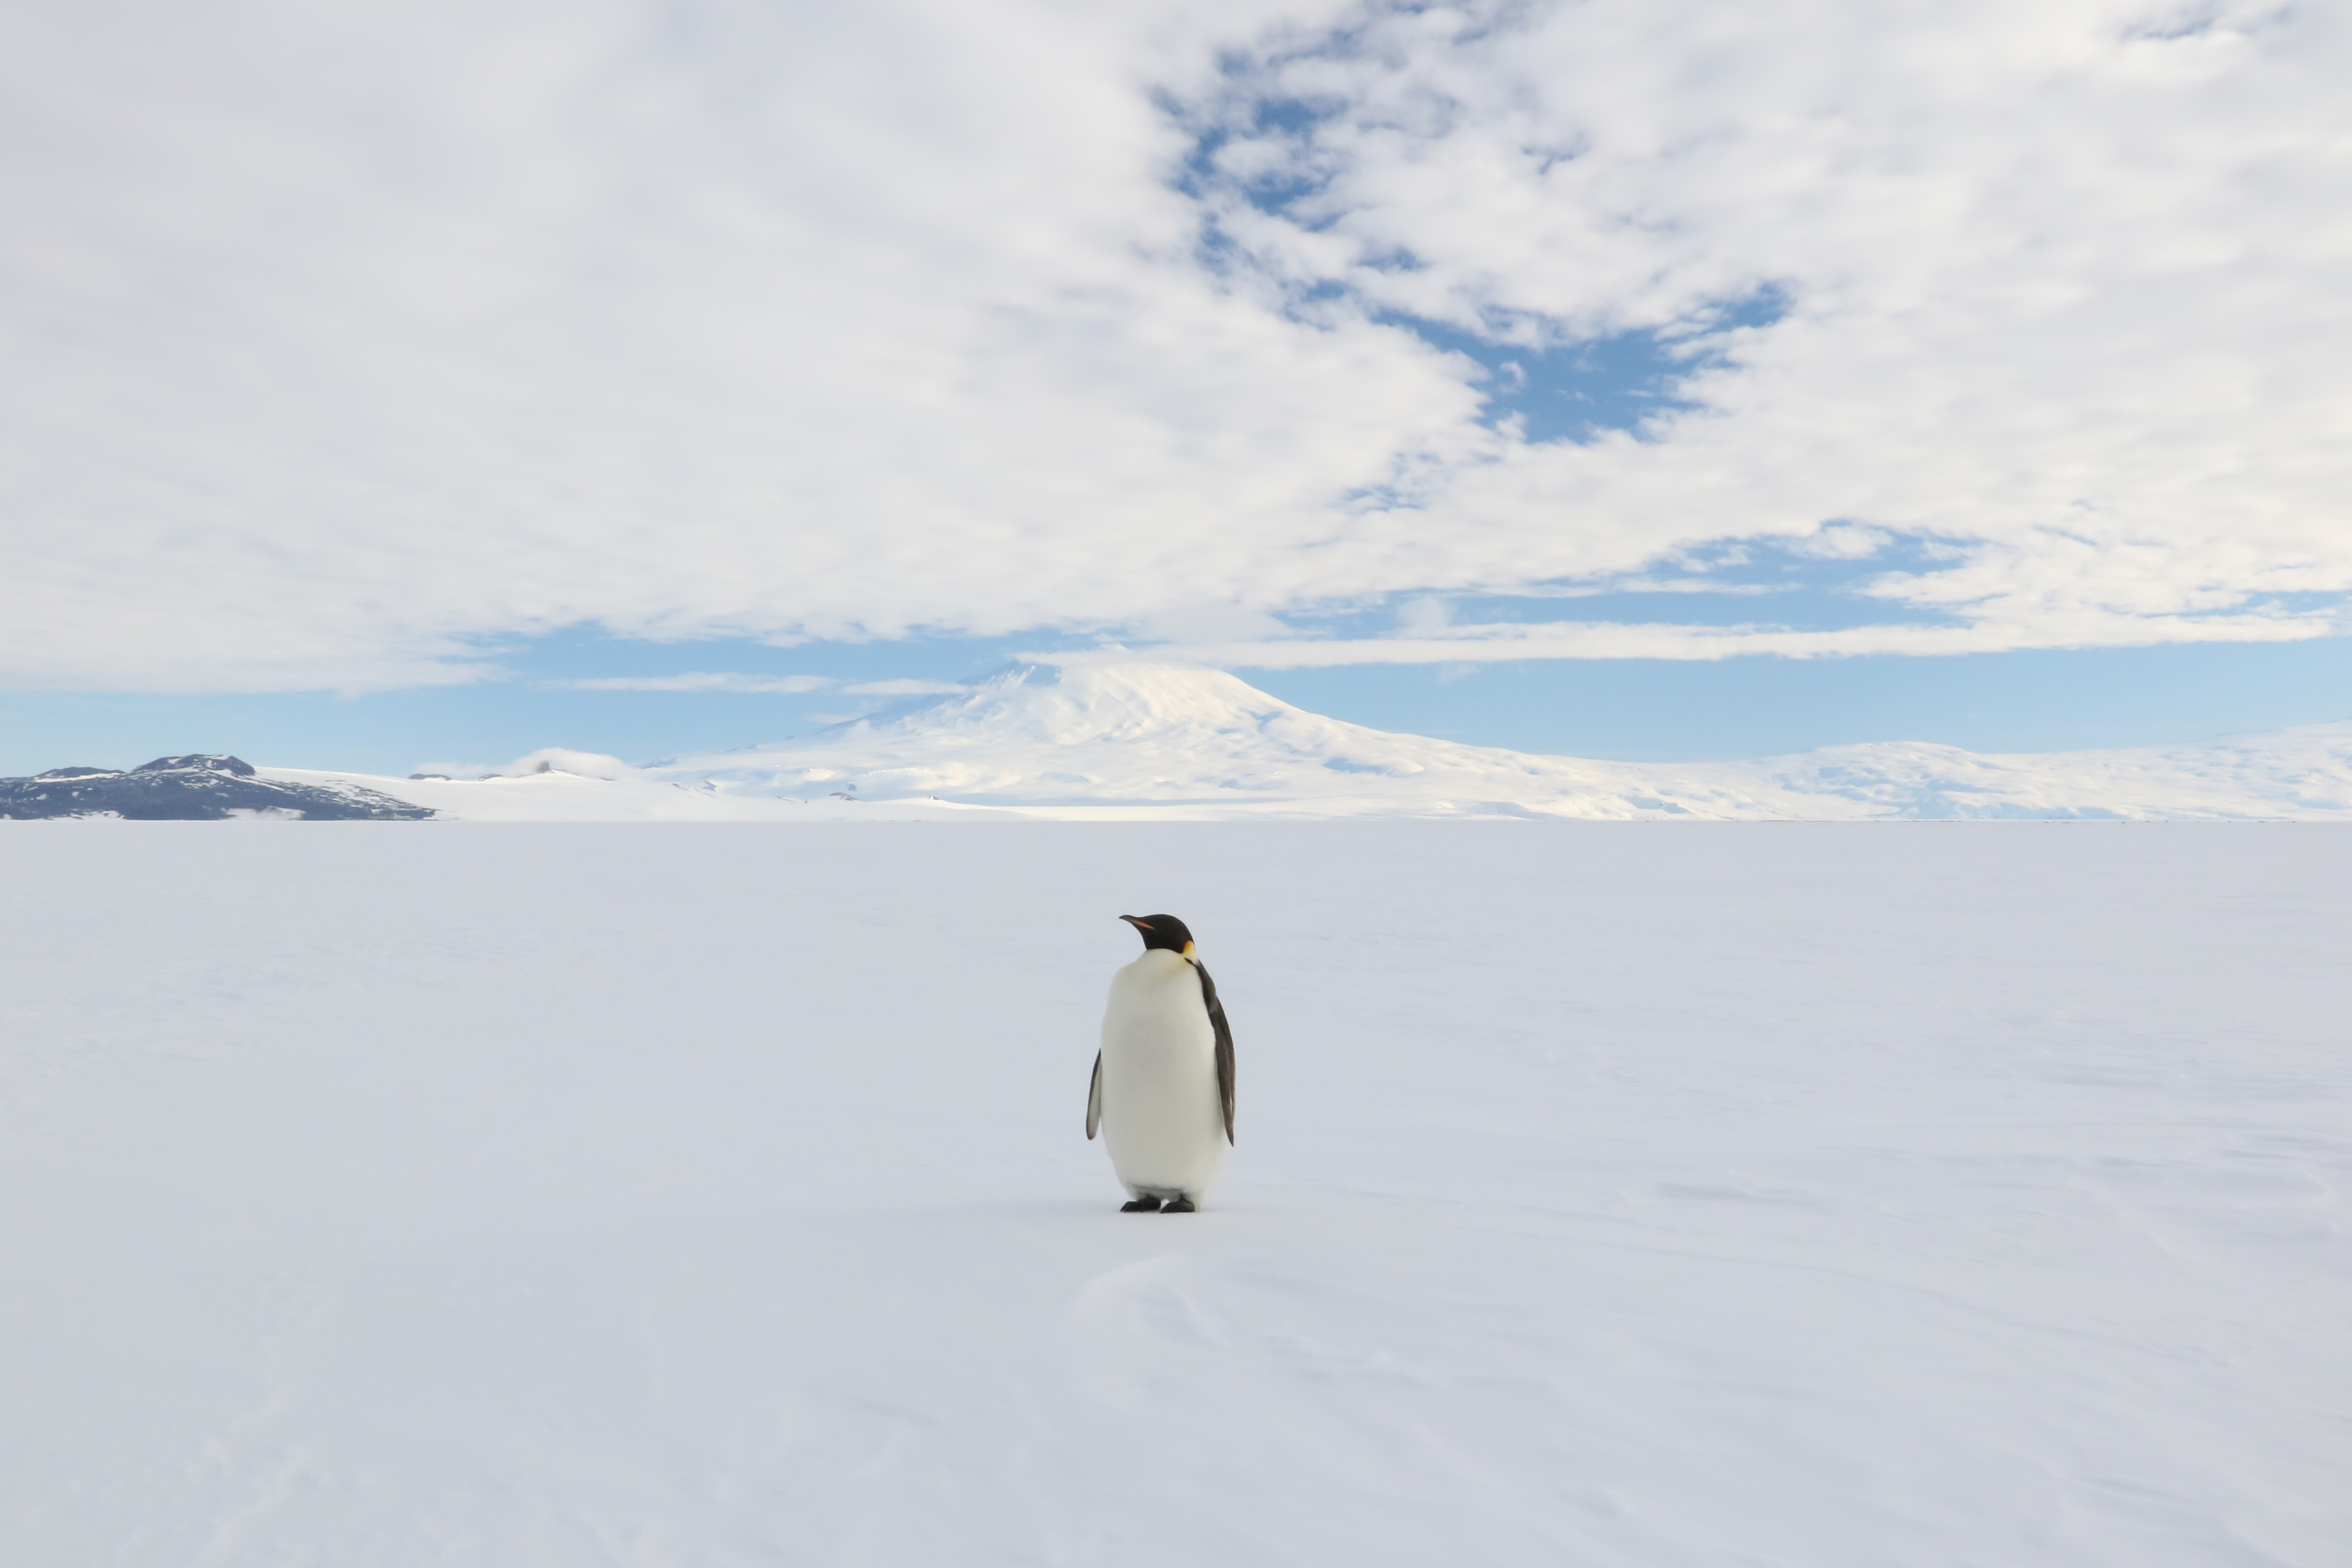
1094, 1099
1224, 1045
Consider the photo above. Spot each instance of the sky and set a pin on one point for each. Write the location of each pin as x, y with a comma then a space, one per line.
1637, 379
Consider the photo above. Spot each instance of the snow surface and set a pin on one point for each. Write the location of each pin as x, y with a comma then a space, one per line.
632, 796
1135, 740
498, 1196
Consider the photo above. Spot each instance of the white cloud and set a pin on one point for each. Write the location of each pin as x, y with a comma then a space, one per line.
1423, 616
2064, 286
701, 680
904, 688
1495, 643
1842, 542
1206, 622
340, 339
760, 685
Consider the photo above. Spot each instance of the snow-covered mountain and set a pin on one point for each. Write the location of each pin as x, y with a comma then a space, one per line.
1143, 741
198, 787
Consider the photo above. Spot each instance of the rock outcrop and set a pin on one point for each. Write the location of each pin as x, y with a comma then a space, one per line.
193, 788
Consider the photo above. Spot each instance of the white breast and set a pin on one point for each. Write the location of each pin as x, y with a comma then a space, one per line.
1161, 1120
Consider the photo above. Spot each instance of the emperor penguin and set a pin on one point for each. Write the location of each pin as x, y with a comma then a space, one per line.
1163, 1086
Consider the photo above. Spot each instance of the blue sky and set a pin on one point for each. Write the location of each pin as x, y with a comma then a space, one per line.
1540, 375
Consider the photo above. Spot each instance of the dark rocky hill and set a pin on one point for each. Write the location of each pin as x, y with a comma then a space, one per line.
193, 788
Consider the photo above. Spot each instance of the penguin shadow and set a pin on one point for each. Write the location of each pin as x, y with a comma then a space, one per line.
1097, 1227
1124, 1275
1108, 1215
1163, 1298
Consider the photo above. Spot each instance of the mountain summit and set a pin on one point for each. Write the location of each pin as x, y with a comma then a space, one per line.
1170, 740
1148, 735
1095, 734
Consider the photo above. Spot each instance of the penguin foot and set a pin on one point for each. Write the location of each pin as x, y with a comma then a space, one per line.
1145, 1205
1177, 1205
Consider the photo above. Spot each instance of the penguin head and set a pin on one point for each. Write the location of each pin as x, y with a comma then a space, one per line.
1162, 931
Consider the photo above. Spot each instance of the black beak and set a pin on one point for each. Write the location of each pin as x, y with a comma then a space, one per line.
1138, 924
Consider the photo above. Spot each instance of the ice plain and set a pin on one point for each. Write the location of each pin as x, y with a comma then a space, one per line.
537, 1196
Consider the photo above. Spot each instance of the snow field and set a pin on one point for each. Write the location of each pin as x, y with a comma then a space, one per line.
507, 1196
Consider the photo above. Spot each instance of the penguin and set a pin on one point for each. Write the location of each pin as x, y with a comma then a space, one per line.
1163, 1086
